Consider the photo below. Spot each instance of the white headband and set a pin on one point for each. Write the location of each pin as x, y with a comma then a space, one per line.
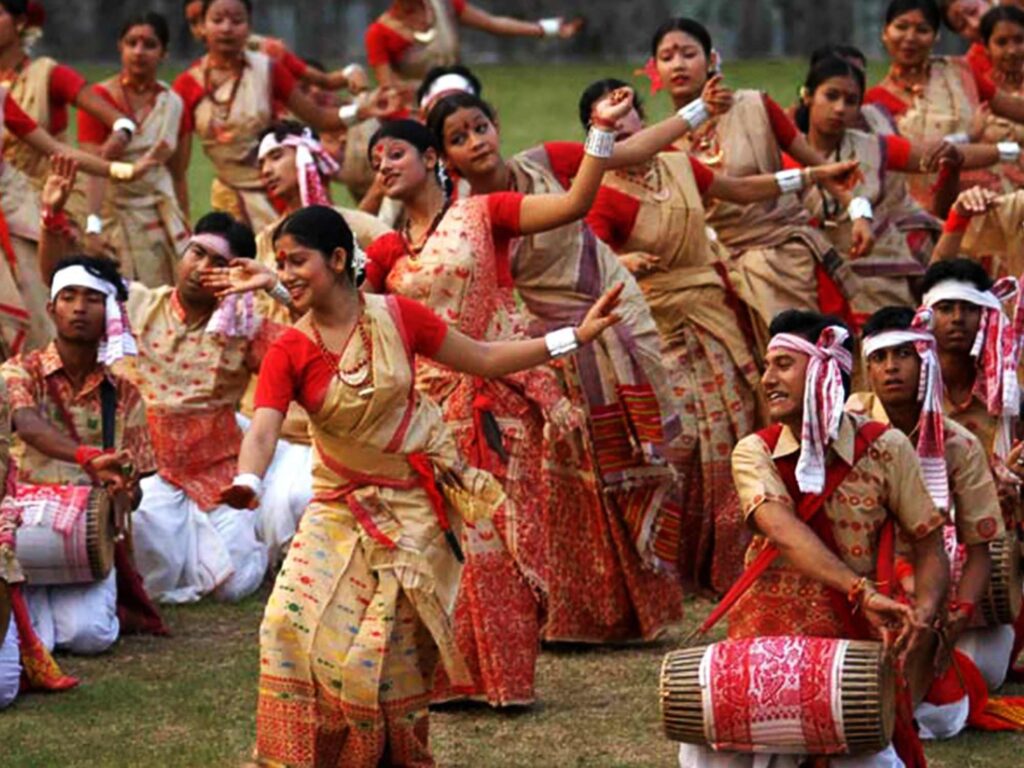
956, 290
445, 84
117, 338
887, 339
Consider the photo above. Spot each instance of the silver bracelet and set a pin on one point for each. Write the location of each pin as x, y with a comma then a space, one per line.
351, 69
251, 481
349, 114
790, 181
1009, 151
127, 125
562, 342
280, 294
600, 143
860, 208
957, 138
93, 225
695, 113
551, 27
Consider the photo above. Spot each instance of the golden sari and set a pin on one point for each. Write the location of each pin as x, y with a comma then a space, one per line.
498, 425
361, 609
31, 89
1005, 177
230, 130
905, 233
145, 223
777, 254
705, 330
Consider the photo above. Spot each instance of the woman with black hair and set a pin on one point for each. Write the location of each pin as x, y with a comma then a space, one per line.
143, 221
362, 609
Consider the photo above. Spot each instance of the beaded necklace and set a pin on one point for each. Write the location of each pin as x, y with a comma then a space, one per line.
8, 76
415, 249
639, 176
359, 374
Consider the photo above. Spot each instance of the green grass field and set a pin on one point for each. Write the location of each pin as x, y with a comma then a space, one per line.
189, 700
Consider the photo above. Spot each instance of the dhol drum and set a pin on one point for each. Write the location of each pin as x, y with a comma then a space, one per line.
1001, 603
782, 695
66, 534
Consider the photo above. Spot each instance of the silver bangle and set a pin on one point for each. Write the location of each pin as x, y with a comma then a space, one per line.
860, 208
349, 114
551, 27
957, 138
251, 481
790, 181
351, 69
600, 143
1009, 151
93, 225
562, 342
127, 125
695, 113
280, 294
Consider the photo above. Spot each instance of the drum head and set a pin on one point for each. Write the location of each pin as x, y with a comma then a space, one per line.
100, 535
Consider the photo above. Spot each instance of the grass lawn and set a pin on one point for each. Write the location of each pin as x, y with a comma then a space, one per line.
190, 700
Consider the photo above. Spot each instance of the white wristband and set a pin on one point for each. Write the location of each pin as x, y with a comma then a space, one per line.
695, 114
551, 27
349, 114
860, 208
790, 181
957, 138
125, 124
350, 70
1009, 151
93, 225
250, 481
600, 143
280, 294
562, 342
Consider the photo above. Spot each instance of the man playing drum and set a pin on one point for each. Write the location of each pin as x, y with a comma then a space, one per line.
868, 477
906, 392
56, 398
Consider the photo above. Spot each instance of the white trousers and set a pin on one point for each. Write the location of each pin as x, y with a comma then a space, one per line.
10, 667
695, 756
989, 648
184, 553
942, 721
80, 618
287, 491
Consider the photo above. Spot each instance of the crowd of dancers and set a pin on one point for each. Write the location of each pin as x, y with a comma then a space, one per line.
750, 350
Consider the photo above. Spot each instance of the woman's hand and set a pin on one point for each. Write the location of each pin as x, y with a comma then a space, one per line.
241, 276
613, 107
59, 183
601, 316
717, 98
942, 153
569, 28
975, 201
238, 497
639, 263
843, 175
158, 154
379, 103
862, 239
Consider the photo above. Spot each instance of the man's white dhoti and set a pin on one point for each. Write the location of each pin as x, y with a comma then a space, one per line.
184, 553
10, 666
989, 648
80, 618
695, 756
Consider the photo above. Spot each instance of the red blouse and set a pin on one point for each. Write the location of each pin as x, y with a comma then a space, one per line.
282, 83
614, 213
504, 209
385, 45
897, 154
295, 369
65, 85
93, 131
15, 119
785, 130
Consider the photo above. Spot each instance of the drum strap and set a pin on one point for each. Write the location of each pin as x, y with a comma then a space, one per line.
807, 507
108, 408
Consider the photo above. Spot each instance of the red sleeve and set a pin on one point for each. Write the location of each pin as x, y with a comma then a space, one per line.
784, 129
293, 369
91, 130
381, 256
790, 163
191, 93
296, 66
504, 208
383, 44
565, 158
65, 84
15, 119
426, 330
459, 6
880, 95
282, 82
701, 174
613, 216
897, 153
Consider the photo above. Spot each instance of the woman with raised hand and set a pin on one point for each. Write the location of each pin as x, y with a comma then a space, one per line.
362, 608
143, 220
783, 262
230, 95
